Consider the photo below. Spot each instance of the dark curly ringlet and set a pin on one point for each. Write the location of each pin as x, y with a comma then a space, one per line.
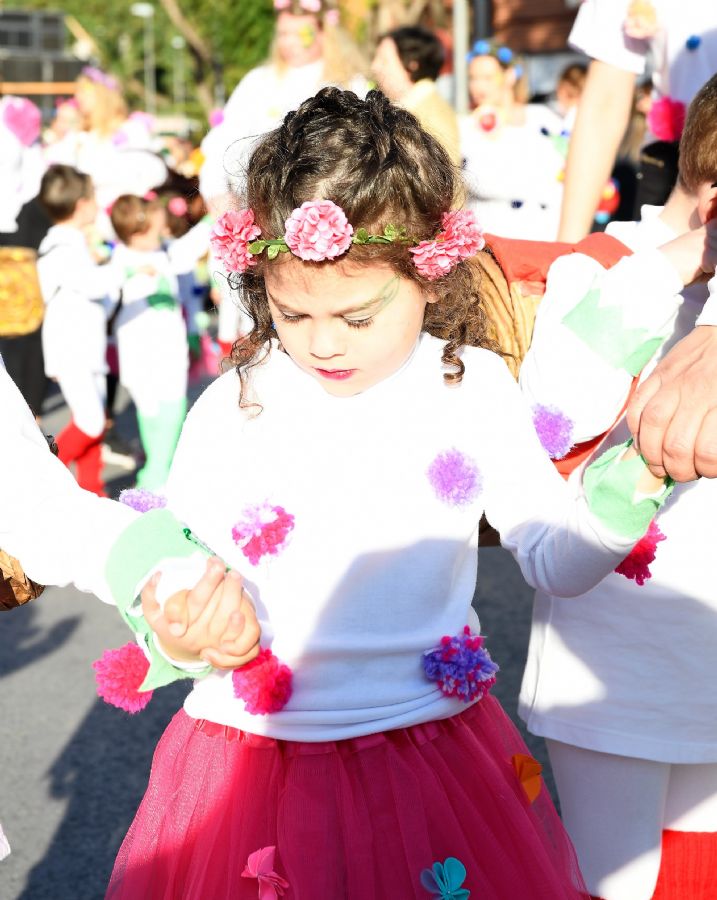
375, 161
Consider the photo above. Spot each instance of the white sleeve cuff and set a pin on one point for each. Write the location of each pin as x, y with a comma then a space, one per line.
708, 316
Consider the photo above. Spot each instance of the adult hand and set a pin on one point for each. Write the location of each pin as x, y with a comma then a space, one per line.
673, 414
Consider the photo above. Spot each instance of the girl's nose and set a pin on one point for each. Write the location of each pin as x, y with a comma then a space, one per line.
326, 340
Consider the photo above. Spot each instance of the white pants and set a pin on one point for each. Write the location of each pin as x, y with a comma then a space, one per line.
615, 808
85, 393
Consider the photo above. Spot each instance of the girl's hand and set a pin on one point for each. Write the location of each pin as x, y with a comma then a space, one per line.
214, 621
648, 483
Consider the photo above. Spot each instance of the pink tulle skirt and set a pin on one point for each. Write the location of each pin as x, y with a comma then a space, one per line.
357, 819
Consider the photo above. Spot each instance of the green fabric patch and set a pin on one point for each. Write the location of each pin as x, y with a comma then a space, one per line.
154, 536
162, 298
602, 329
610, 487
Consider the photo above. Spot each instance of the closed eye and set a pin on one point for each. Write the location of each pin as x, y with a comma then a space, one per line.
286, 318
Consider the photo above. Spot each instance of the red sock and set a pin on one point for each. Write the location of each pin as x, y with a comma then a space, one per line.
688, 866
73, 445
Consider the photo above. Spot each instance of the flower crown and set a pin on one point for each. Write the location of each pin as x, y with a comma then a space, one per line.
318, 230
92, 73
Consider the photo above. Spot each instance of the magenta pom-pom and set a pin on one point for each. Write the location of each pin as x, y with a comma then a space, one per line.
263, 530
264, 684
554, 429
455, 478
636, 564
460, 666
119, 674
141, 499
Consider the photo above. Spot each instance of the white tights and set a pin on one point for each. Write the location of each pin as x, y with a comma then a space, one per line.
615, 809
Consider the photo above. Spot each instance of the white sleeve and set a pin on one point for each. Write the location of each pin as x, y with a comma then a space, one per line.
560, 370
59, 532
560, 546
186, 251
708, 316
598, 32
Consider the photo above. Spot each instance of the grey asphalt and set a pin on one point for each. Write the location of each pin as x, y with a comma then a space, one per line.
73, 769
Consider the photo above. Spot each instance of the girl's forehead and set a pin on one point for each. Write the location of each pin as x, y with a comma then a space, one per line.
343, 278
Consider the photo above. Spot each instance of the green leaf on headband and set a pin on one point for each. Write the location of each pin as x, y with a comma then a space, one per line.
391, 232
256, 247
273, 251
361, 236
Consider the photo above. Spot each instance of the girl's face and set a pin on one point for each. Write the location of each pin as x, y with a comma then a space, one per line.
298, 39
347, 326
486, 81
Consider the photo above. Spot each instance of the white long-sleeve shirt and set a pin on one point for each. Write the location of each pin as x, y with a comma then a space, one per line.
625, 668
59, 532
386, 490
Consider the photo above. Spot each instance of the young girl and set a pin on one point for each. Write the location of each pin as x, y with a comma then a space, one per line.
353, 450
150, 328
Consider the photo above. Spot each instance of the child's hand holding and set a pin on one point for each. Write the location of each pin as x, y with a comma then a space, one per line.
214, 622
648, 483
694, 253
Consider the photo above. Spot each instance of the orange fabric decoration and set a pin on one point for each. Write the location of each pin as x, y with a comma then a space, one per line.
528, 771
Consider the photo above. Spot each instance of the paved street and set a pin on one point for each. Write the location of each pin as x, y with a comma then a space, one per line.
74, 769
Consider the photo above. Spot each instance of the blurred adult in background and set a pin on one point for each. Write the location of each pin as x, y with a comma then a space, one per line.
309, 51
114, 147
514, 142
406, 65
681, 37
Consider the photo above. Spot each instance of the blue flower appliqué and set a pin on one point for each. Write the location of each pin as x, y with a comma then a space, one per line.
444, 880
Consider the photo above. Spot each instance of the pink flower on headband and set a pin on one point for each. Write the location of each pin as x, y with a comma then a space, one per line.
177, 206
230, 236
22, 118
460, 238
318, 230
282, 4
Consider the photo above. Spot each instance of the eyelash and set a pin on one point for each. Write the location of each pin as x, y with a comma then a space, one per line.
352, 323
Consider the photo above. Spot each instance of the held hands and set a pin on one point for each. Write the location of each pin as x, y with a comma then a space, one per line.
214, 621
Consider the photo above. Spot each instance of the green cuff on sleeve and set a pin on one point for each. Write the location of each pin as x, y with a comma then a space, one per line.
603, 330
610, 486
154, 536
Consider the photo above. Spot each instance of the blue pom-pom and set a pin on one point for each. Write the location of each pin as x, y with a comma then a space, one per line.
481, 48
505, 55
693, 42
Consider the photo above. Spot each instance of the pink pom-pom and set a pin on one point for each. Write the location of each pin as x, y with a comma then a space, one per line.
177, 206
666, 119
264, 684
636, 565
23, 119
455, 478
262, 530
230, 237
216, 117
119, 674
318, 230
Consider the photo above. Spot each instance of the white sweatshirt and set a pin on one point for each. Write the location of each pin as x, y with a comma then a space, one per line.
626, 668
386, 490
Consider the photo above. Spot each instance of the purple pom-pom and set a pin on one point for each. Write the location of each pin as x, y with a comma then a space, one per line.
455, 478
554, 429
142, 500
460, 666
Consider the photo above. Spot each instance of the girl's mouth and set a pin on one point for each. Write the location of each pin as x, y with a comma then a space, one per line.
335, 374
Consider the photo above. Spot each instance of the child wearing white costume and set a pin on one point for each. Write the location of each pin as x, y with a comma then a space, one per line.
359, 755
150, 328
619, 681
76, 293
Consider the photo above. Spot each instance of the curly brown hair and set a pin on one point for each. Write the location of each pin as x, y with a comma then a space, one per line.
375, 161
